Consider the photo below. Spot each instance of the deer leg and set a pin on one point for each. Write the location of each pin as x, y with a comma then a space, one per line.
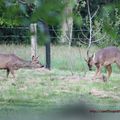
12, 72
8, 71
109, 71
98, 71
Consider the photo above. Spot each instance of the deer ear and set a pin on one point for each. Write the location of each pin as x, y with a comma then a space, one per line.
93, 56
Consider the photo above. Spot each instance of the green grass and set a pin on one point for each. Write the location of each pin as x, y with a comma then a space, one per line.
69, 81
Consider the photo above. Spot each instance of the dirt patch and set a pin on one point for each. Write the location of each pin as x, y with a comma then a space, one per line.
104, 94
67, 76
73, 78
43, 70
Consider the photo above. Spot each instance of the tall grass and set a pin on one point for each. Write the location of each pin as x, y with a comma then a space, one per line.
62, 57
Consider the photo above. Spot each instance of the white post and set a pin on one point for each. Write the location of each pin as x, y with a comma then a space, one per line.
33, 30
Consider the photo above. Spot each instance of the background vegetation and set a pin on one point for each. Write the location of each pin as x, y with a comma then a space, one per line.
106, 21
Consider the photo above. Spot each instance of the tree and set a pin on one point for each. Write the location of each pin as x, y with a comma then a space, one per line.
67, 23
89, 24
111, 21
102, 29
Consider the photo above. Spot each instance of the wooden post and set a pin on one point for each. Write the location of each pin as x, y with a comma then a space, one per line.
33, 30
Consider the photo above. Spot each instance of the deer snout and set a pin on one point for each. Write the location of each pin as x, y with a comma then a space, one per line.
90, 69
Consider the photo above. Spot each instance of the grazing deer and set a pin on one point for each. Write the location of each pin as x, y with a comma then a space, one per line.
104, 57
11, 62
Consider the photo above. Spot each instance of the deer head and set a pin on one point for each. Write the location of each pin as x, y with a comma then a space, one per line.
90, 60
35, 62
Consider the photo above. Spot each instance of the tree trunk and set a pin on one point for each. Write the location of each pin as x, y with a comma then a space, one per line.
33, 30
67, 25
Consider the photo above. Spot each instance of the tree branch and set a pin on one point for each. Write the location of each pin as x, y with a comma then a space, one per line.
22, 1
90, 27
82, 41
56, 33
95, 12
83, 34
96, 32
88, 9
99, 39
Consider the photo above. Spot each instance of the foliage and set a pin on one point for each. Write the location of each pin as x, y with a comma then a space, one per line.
109, 20
105, 24
111, 14
14, 35
23, 12
9, 12
76, 12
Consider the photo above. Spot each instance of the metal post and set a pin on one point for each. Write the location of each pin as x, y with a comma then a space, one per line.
45, 31
48, 56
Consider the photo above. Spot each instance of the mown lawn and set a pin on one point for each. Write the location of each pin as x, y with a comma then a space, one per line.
69, 81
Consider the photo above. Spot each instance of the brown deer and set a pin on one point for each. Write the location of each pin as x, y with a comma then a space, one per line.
11, 62
104, 57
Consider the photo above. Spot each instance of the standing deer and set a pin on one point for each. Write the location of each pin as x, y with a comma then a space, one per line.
11, 62
104, 57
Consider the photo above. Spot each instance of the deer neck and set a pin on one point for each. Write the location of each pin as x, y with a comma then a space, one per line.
25, 64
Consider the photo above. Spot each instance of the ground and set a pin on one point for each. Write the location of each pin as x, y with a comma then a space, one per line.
69, 81
57, 87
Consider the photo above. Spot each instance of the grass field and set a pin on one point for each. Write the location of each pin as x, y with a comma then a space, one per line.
68, 81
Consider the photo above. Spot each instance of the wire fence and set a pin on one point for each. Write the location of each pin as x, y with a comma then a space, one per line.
16, 35
21, 35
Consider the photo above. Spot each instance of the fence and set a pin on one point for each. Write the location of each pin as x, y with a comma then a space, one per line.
16, 35
21, 35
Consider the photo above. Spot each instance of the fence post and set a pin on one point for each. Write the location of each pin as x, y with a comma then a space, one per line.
33, 30
48, 56
45, 31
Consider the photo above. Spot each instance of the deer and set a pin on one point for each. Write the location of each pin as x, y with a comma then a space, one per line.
11, 62
104, 58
